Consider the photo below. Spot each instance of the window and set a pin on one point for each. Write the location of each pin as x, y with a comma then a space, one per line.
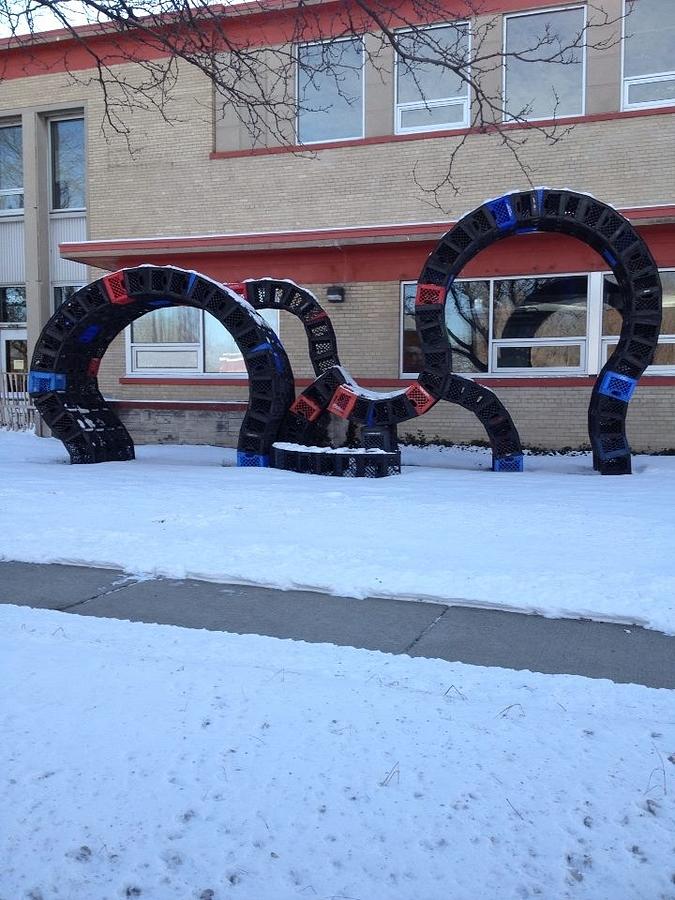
513, 325
11, 169
430, 95
611, 320
545, 59
13, 305
330, 91
648, 55
63, 292
182, 340
67, 163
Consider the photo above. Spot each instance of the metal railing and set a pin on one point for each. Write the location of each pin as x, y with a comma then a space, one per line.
16, 409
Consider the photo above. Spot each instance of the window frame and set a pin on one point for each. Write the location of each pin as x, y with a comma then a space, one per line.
4, 323
628, 82
12, 192
595, 344
587, 359
506, 117
66, 117
431, 104
131, 347
341, 140
607, 340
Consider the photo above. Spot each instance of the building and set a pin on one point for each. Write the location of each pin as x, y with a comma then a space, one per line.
346, 214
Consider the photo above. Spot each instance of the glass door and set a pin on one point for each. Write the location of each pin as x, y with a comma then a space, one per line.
13, 351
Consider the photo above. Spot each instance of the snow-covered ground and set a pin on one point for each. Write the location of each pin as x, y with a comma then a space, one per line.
155, 762
557, 539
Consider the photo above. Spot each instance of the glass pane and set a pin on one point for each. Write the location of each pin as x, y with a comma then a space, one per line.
11, 160
466, 319
166, 359
172, 325
68, 164
651, 91
63, 293
613, 304
467, 312
540, 307
664, 356
650, 37
434, 116
560, 357
16, 356
330, 91
420, 81
221, 353
547, 79
13, 304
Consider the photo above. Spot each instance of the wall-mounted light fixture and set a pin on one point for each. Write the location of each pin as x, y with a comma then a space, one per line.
335, 293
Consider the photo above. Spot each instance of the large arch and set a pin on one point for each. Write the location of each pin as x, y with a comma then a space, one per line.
607, 232
63, 378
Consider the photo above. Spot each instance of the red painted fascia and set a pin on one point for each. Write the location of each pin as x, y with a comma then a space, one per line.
251, 25
398, 259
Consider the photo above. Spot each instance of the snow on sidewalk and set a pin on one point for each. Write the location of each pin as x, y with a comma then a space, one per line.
168, 764
557, 539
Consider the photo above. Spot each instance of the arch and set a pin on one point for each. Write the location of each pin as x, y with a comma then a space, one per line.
608, 233
63, 378
336, 392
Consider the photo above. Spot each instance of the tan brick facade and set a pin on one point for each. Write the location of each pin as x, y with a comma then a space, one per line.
171, 185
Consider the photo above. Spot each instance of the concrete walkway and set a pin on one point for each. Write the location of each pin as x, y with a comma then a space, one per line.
456, 633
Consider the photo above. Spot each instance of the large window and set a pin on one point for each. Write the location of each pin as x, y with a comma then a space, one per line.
545, 60
11, 169
649, 54
67, 163
429, 95
330, 91
13, 305
563, 324
180, 340
611, 320
508, 325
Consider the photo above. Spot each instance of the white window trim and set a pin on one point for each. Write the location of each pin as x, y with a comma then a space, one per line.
196, 373
14, 325
354, 137
627, 82
607, 339
12, 192
594, 299
594, 345
533, 344
557, 118
432, 104
70, 210
647, 79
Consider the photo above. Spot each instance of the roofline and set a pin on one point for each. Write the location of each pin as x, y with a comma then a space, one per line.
86, 251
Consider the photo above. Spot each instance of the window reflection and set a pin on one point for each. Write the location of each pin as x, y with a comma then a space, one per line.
13, 304
330, 91
67, 144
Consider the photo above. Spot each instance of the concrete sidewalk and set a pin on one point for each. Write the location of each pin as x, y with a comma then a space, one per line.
456, 633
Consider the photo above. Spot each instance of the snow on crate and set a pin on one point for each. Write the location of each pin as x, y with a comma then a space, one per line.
156, 762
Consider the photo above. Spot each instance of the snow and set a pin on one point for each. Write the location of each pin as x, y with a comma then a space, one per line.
558, 539
340, 451
156, 762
